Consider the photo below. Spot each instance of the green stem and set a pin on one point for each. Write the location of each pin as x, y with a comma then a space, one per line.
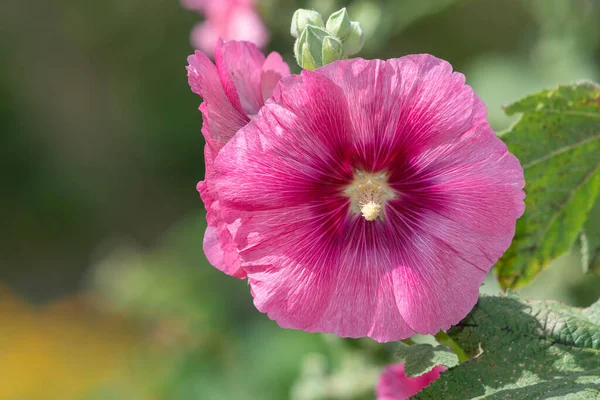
408, 341
443, 338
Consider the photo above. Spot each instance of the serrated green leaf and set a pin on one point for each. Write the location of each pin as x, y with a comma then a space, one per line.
557, 141
592, 313
421, 358
590, 240
525, 350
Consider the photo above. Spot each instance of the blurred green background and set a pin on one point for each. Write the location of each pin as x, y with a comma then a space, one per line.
104, 290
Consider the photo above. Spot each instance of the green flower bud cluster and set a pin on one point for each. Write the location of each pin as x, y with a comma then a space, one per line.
318, 44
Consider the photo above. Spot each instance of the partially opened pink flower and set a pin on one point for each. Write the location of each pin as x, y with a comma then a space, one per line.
233, 92
395, 385
370, 198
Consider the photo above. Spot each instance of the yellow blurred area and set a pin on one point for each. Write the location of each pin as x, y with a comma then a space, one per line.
60, 351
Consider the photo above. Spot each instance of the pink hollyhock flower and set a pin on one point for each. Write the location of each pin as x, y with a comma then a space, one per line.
233, 91
370, 198
395, 385
226, 19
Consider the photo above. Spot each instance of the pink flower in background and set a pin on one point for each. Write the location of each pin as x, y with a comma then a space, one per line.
228, 20
195, 5
395, 385
369, 198
233, 91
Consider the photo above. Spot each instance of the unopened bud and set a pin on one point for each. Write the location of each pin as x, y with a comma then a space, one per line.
302, 18
316, 45
314, 39
298, 47
339, 24
332, 50
308, 48
355, 39
307, 61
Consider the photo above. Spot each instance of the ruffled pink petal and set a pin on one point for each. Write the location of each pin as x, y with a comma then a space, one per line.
412, 102
275, 63
304, 287
240, 67
213, 249
218, 244
228, 86
434, 287
440, 106
221, 119
220, 251
395, 385
273, 70
465, 220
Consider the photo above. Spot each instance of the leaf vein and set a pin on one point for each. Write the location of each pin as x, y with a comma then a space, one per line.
560, 151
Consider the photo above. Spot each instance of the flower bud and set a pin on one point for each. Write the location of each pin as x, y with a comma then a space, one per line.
308, 48
316, 45
355, 39
302, 18
314, 40
307, 61
332, 50
339, 24
298, 47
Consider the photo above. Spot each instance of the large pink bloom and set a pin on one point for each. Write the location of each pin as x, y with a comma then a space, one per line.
371, 198
233, 92
395, 385
226, 19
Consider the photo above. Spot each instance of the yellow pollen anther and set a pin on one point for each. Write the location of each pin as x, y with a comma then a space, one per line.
370, 211
368, 194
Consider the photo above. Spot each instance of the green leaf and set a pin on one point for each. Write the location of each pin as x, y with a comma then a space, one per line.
557, 141
421, 358
590, 241
592, 313
524, 350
